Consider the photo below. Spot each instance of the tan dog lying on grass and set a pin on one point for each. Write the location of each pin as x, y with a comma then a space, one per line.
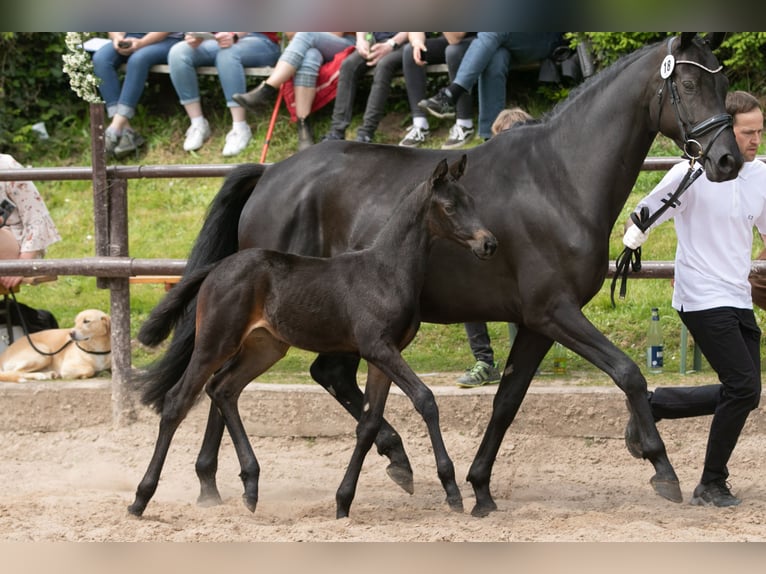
77, 353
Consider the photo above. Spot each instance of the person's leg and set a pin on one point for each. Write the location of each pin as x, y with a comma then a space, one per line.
9, 247
106, 62
462, 132
137, 72
352, 70
730, 341
484, 370
492, 90
375, 109
415, 82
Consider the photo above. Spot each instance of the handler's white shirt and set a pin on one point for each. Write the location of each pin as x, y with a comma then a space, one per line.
714, 225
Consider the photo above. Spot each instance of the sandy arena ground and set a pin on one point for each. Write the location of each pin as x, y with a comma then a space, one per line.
563, 473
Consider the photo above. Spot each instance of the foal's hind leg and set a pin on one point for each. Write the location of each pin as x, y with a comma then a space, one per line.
337, 374
207, 460
258, 354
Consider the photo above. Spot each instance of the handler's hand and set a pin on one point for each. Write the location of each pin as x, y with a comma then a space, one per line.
634, 237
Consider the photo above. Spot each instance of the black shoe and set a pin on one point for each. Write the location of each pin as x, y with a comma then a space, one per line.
333, 135
258, 98
714, 493
129, 143
305, 139
439, 105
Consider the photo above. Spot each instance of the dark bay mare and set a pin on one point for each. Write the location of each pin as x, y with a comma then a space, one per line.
550, 191
252, 306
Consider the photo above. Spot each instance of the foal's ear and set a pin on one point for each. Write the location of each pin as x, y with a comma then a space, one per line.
457, 169
440, 172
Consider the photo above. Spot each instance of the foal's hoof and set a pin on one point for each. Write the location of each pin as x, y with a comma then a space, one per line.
455, 505
667, 489
209, 500
402, 476
250, 503
136, 509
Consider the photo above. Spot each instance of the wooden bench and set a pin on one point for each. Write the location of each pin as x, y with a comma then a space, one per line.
265, 71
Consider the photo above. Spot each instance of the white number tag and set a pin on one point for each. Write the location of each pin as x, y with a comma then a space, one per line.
666, 68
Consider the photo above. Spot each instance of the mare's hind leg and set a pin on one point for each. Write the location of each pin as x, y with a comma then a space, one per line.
258, 354
337, 374
527, 352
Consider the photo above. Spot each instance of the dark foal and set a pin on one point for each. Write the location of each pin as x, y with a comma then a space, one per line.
254, 305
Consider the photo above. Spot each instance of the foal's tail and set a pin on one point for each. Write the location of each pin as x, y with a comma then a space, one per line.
217, 239
178, 307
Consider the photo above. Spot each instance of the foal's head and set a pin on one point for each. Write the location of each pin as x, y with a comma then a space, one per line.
452, 214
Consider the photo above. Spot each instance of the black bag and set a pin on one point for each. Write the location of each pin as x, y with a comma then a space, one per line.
34, 319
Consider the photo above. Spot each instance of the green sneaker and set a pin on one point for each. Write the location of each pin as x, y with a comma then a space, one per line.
479, 375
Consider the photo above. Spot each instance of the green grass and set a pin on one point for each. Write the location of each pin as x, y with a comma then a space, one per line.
165, 216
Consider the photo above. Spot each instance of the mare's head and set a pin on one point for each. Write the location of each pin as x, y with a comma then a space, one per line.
691, 104
452, 214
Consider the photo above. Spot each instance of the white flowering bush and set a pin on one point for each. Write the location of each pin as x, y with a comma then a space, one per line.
78, 65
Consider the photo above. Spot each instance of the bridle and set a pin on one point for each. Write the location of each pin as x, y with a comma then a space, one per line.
631, 258
718, 122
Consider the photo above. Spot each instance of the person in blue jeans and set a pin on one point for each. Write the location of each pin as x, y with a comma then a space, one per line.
139, 51
522, 47
301, 60
373, 49
230, 53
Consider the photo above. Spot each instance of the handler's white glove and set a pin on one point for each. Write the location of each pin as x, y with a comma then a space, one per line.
634, 237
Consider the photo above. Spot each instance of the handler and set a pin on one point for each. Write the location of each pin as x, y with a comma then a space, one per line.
714, 225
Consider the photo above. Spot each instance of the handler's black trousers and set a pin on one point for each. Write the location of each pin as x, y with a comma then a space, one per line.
730, 340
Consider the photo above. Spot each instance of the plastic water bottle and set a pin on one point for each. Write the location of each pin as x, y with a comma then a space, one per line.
654, 345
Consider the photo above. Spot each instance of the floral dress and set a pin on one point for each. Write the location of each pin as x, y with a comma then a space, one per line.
30, 222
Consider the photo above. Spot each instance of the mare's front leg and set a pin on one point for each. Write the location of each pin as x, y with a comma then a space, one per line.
397, 369
257, 355
337, 374
527, 352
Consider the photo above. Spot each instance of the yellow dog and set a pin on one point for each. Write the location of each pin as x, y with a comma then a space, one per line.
77, 353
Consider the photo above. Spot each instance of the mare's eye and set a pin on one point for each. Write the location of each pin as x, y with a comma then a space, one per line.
689, 86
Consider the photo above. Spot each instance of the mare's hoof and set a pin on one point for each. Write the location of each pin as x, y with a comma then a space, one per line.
209, 500
483, 510
136, 510
250, 503
455, 505
402, 476
667, 489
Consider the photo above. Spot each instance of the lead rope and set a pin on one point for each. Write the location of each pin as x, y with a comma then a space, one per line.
25, 328
630, 259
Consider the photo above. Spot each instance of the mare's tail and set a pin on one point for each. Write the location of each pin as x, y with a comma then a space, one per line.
179, 303
217, 239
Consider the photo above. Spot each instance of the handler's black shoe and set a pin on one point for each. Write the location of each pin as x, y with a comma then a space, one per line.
716, 493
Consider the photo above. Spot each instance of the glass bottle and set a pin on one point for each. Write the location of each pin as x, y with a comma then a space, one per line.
654, 345
559, 359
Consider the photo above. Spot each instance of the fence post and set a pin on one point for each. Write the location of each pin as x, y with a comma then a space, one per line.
123, 403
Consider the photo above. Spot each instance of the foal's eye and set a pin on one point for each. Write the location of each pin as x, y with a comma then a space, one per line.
449, 209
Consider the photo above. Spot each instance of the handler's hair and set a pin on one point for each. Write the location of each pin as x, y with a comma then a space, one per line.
741, 102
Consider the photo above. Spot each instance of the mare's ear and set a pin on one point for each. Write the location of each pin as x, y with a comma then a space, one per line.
457, 169
440, 172
686, 39
715, 39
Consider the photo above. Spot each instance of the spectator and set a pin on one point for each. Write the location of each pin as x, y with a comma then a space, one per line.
522, 47
300, 61
714, 227
485, 369
139, 51
378, 49
421, 51
26, 227
230, 53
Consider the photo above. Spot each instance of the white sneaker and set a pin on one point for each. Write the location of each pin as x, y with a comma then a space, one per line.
415, 137
236, 141
458, 137
196, 136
